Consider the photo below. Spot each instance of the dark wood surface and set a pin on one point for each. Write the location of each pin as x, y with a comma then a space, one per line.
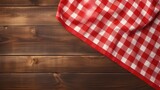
64, 64
29, 2
70, 81
41, 40
33, 15
37, 53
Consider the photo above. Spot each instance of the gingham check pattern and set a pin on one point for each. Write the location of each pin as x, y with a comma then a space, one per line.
126, 31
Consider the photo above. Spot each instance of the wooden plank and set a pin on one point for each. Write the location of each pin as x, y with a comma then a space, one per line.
29, 2
74, 64
41, 40
24, 81
28, 16
69, 81
103, 81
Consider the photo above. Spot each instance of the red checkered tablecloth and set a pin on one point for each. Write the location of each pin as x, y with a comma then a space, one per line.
126, 31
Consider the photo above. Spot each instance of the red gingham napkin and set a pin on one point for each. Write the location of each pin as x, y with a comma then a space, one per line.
126, 31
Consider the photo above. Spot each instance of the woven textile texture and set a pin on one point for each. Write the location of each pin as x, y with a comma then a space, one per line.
126, 31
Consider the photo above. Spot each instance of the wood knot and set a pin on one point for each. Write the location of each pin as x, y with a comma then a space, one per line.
5, 27
33, 30
60, 83
57, 77
32, 61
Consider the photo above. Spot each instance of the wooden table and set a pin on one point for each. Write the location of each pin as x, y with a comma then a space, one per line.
37, 53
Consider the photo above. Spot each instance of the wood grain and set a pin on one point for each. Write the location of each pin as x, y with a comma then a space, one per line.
28, 15
47, 64
78, 81
103, 81
24, 81
29, 2
41, 40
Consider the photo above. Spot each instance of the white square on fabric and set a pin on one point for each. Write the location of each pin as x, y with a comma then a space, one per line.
143, 48
121, 6
105, 47
77, 28
143, 72
138, 57
114, 53
129, 51
143, 12
93, 26
129, 13
111, 1
157, 45
152, 30
120, 44
74, 15
123, 21
132, 27
96, 41
147, 63
109, 23
138, 20
110, 38
152, 54
65, 9
133, 66
115, 15
102, 32
98, 2
68, 22
123, 59
157, 70
86, 35
71, 1
80, 6
99, 17
152, 79
134, 41
148, 3
147, 39
125, 36
135, 5
106, 8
